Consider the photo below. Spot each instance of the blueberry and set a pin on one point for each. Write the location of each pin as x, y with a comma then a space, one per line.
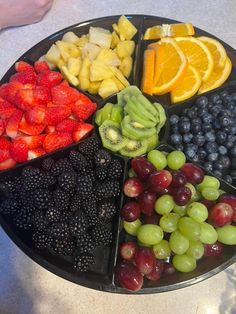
233, 151
179, 147
214, 98
222, 150
195, 128
175, 129
231, 138
219, 166
229, 144
228, 179
226, 161
224, 94
202, 101
195, 158
206, 127
219, 102
207, 117
184, 126
191, 113
218, 173
208, 166
221, 137
216, 124
225, 121
210, 136
213, 157
233, 97
174, 119
196, 121
232, 129
230, 105
187, 138
184, 118
189, 152
201, 154
202, 112
211, 147
199, 140
215, 111
176, 139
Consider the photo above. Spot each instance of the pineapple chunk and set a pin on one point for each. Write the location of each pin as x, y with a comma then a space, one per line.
91, 51
109, 57
67, 50
74, 65
93, 87
50, 64
125, 48
119, 85
107, 88
99, 71
53, 55
68, 76
100, 37
60, 63
126, 29
82, 41
119, 76
114, 39
84, 81
115, 28
126, 66
70, 37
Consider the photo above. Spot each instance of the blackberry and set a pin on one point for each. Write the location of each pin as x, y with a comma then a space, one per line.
23, 220
90, 207
63, 247
33, 179
106, 210
49, 180
27, 198
101, 173
93, 221
107, 189
83, 261
8, 188
102, 158
9, 206
66, 216
39, 220
53, 214
67, 181
85, 243
43, 198
78, 224
76, 203
85, 185
41, 240
47, 164
61, 166
61, 199
89, 147
101, 235
78, 161
59, 230
115, 169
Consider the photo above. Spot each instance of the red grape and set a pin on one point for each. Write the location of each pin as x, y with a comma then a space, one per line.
130, 211
168, 268
231, 200
133, 187
207, 203
127, 250
145, 260
178, 179
182, 195
213, 249
142, 167
153, 219
159, 180
146, 201
129, 276
220, 214
157, 271
193, 173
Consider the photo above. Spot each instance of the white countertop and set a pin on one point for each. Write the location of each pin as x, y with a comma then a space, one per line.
27, 288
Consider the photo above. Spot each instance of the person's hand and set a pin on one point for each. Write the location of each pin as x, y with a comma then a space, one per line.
21, 12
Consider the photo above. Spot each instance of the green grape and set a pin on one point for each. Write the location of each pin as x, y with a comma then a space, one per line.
178, 243
180, 210
208, 233
209, 182
131, 173
210, 194
150, 234
221, 192
158, 159
132, 227
189, 228
162, 250
176, 159
227, 234
164, 204
197, 211
169, 222
184, 263
196, 249
196, 196
143, 244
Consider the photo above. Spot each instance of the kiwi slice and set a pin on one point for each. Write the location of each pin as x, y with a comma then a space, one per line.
161, 113
139, 109
111, 136
135, 130
146, 104
152, 142
134, 148
127, 92
117, 113
98, 117
134, 115
103, 114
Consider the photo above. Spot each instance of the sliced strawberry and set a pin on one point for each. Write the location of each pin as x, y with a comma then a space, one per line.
50, 129
13, 123
4, 143
35, 115
33, 141
63, 95
8, 91
27, 77
4, 155
34, 153
19, 150
51, 104
49, 78
55, 115
22, 66
83, 110
7, 164
30, 129
81, 131
56, 140
6, 109
3, 124
41, 66
42, 95
25, 99
66, 125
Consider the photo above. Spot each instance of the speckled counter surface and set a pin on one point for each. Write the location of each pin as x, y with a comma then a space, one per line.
27, 288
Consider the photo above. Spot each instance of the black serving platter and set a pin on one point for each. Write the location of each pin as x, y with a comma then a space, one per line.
102, 274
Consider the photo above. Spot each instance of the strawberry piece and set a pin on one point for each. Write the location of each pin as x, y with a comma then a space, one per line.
22, 66
4, 143
42, 95
36, 115
33, 141
56, 140
50, 129
51, 104
7, 164
13, 123
41, 66
4, 155
3, 124
30, 129
27, 77
66, 125
34, 153
25, 99
19, 150
83, 110
81, 131
63, 95
55, 115
6, 109
49, 78
9, 90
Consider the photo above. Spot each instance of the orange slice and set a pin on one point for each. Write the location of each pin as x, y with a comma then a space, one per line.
169, 66
217, 50
188, 86
169, 30
148, 71
198, 55
217, 78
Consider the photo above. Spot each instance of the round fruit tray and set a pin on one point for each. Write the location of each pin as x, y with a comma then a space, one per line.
101, 275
